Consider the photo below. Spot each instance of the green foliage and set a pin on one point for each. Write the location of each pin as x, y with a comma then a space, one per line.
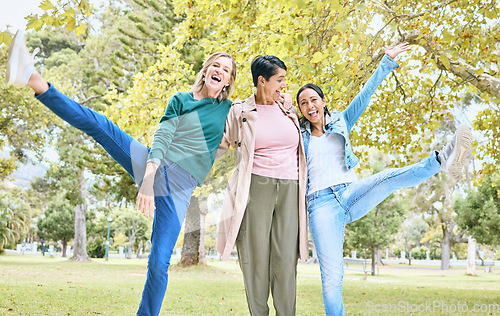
58, 222
22, 124
132, 223
14, 217
336, 45
96, 248
479, 212
375, 229
412, 232
419, 253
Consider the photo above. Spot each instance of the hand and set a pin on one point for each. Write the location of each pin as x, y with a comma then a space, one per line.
146, 196
146, 199
396, 50
286, 100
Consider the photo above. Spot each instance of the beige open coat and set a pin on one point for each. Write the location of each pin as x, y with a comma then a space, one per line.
240, 134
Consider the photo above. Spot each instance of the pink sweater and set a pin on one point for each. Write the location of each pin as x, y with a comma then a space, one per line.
276, 144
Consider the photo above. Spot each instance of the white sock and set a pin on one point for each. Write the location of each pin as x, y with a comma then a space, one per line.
28, 71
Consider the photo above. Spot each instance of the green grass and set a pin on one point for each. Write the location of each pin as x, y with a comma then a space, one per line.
35, 285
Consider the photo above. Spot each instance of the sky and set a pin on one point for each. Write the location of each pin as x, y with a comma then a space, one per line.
14, 11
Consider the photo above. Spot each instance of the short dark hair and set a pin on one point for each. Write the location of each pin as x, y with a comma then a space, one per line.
318, 90
265, 66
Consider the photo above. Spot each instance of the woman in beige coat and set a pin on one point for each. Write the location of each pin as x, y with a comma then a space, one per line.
264, 211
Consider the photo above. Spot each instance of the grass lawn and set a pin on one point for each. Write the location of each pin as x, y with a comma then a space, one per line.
35, 285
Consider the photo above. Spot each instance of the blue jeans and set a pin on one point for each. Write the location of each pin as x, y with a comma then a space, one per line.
332, 208
173, 188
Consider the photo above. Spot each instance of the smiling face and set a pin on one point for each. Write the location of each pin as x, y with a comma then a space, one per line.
312, 106
218, 75
271, 89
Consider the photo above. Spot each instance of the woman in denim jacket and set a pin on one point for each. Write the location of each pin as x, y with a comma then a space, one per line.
334, 195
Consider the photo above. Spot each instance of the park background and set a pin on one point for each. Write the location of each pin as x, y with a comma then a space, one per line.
126, 58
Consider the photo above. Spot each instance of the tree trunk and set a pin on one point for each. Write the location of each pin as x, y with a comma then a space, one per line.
64, 246
80, 248
131, 240
140, 249
374, 259
129, 252
203, 214
479, 256
201, 253
409, 257
445, 249
471, 256
191, 247
314, 254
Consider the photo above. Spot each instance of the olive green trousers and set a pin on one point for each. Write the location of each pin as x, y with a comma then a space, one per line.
267, 245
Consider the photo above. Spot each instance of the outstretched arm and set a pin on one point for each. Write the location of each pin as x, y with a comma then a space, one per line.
361, 101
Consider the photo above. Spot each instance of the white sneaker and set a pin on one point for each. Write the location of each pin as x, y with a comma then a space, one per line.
20, 64
452, 155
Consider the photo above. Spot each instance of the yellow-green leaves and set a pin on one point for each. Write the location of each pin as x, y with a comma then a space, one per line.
491, 13
34, 22
335, 44
46, 5
445, 61
5, 37
318, 56
71, 13
80, 29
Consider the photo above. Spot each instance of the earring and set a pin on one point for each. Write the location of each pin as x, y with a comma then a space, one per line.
224, 89
203, 79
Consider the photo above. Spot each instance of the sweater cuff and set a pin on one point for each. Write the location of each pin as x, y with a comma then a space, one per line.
157, 161
155, 154
390, 62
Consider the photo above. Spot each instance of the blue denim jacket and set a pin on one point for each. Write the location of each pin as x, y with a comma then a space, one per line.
342, 122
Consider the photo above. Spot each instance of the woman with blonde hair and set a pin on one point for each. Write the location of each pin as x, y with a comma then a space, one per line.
180, 157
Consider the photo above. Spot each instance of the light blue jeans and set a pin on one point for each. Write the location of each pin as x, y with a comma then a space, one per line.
173, 188
332, 208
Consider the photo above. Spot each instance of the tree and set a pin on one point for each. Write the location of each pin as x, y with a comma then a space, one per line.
375, 230
22, 124
132, 223
412, 232
338, 45
72, 14
435, 197
191, 246
310, 35
193, 250
58, 223
14, 218
478, 213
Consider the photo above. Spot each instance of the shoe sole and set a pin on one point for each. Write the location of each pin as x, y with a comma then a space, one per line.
464, 143
12, 61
